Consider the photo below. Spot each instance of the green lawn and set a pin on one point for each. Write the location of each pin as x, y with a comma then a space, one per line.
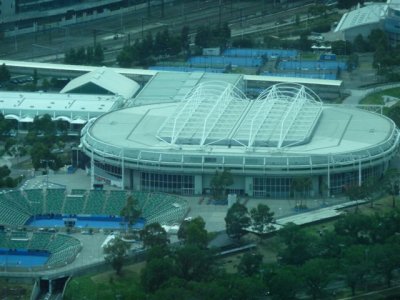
109, 286
377, 98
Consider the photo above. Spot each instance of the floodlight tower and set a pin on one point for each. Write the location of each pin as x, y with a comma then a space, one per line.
47, 161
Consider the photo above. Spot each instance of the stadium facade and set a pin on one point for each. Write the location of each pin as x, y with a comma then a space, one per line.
266, 143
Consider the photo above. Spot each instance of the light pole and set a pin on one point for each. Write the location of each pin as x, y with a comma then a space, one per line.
47, 161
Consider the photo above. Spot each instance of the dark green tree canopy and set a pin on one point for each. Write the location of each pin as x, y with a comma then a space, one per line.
262, 217
219, 183
115, 252
250, 264
237, 219
131, 211
4, 73
193, 232
154, 235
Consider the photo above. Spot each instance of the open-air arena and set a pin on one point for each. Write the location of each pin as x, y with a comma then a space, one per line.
163, 142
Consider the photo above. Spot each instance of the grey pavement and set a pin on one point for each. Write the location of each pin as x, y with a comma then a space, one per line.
214, 215
356, 95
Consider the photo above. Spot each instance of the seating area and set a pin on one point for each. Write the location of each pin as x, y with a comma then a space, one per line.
35, 199
54, 200
10, 214
115, 202
62, 248
40, 240
17, 207
74, 204
95, 202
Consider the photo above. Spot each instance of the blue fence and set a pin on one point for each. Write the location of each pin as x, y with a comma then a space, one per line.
303, 75
187, 69
311, 65
226, 60
270, 53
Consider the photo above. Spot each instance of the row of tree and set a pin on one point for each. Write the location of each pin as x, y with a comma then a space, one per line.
85, 56
361, 250
147, 50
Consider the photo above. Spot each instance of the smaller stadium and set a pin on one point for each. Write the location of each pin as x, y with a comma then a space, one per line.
36, 250
30, 219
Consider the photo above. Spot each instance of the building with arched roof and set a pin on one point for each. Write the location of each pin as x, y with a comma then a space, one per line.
266, 143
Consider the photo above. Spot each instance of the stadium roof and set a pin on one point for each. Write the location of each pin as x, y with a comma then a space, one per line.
74, 68
217, 113
303, 127
299, 80
369, 14
151, 73
74, 108
173, 86
105, 79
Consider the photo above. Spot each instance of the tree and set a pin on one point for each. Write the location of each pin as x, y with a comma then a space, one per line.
250, 264
4, 73
284, 284
391, 182
341, 47
378, 39
317, 10
193, 263
394, 114
203, 36
124, 58
315, 274
131, 212
356, 227
156, 273
304, 42
193, 232
370, 186
154, 235
219, 183
300, 245
359, 44
237, 219
386, 259
355, 266
115, 253
301, 187
98, 55
261, 218
185, 39
348, 3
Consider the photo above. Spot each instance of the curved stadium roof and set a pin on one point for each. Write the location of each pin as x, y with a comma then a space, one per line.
286, 127
216, 113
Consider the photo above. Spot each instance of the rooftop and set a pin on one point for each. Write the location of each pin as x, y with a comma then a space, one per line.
369, 14
106, 79
25, 106
301, 122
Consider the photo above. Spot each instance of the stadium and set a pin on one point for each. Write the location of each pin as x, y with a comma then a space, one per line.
32, 222
266, 143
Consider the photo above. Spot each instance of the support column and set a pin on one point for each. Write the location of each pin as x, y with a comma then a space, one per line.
248, 186
122, 170
314, 186
329, 178
359, 172
198, 184
91, 170
136, 180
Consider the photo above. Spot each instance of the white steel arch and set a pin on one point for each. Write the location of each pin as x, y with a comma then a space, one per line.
198, 119
218, 113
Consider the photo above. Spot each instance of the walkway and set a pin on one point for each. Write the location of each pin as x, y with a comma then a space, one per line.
358, 94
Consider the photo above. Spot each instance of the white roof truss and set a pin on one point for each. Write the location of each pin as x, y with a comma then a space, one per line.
218, 113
